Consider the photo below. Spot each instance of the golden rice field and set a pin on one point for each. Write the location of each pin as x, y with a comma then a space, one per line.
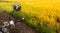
41, 15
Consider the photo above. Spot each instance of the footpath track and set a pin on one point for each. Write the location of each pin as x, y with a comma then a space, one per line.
20, 27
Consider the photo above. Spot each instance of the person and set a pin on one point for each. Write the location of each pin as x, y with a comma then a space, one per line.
17, 7
3, 29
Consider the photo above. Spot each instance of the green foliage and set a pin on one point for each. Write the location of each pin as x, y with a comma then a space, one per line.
31, 17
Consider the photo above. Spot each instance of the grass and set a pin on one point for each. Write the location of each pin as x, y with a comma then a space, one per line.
39, 16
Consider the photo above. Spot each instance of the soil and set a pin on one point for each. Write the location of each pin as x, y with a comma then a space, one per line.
20, 27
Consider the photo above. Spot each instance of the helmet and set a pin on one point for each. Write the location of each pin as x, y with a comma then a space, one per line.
17, 7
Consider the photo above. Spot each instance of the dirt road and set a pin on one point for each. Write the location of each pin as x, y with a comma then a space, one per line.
21, 27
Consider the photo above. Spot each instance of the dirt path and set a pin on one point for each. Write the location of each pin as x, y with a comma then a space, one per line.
20, 26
